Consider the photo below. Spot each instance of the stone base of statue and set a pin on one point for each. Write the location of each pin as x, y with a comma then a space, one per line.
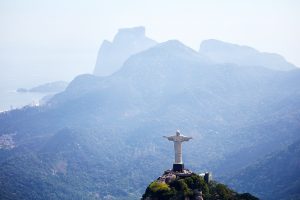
178, 167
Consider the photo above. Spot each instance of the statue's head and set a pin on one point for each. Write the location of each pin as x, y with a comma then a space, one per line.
177, 133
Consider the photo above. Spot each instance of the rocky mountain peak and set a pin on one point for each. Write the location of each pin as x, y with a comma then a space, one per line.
112, 55
130, 34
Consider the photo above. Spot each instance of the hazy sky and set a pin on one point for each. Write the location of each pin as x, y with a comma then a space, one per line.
57, 39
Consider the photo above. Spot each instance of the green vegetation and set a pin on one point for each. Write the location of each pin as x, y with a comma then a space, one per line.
190, 188
161, 190
101, 137
159, 187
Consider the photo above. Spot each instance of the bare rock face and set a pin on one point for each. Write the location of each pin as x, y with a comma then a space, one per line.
170, 175
127, 42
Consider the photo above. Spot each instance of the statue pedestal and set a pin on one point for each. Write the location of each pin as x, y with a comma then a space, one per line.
178, 167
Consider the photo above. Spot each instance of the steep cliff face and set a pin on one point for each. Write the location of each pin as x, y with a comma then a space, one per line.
127, 42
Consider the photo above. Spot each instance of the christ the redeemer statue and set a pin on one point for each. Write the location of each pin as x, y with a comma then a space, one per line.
178, 139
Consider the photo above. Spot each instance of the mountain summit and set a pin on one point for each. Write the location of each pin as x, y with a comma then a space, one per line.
224, 52
127, 42
190, 186
98, 139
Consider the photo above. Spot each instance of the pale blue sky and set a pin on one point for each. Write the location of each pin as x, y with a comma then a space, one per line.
45, 37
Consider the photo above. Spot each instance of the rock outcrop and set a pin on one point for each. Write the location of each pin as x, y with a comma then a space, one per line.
127, 42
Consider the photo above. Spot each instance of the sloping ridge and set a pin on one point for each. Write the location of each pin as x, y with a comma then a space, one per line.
223, 106
224, 52
277, 175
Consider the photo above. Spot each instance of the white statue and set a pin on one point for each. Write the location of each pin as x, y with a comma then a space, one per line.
178, 139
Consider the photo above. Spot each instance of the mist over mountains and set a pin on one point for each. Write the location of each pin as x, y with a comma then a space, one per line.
277, 175
101, 137
223, 52
127, 42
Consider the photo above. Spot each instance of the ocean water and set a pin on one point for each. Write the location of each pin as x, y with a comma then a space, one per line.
11, 99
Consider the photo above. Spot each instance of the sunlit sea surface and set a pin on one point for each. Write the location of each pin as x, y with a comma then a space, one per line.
11, 99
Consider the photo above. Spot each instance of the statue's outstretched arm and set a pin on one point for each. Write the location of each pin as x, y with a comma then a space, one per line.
169, 138
187, 138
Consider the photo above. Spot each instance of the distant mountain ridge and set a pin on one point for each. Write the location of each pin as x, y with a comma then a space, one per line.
127, 42
51, 87
101, 137
224, 52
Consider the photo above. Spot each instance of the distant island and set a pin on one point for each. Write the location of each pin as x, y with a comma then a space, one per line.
52, 87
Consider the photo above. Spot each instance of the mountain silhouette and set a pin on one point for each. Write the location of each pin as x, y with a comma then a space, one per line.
223, 52
101, 137
127, 42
